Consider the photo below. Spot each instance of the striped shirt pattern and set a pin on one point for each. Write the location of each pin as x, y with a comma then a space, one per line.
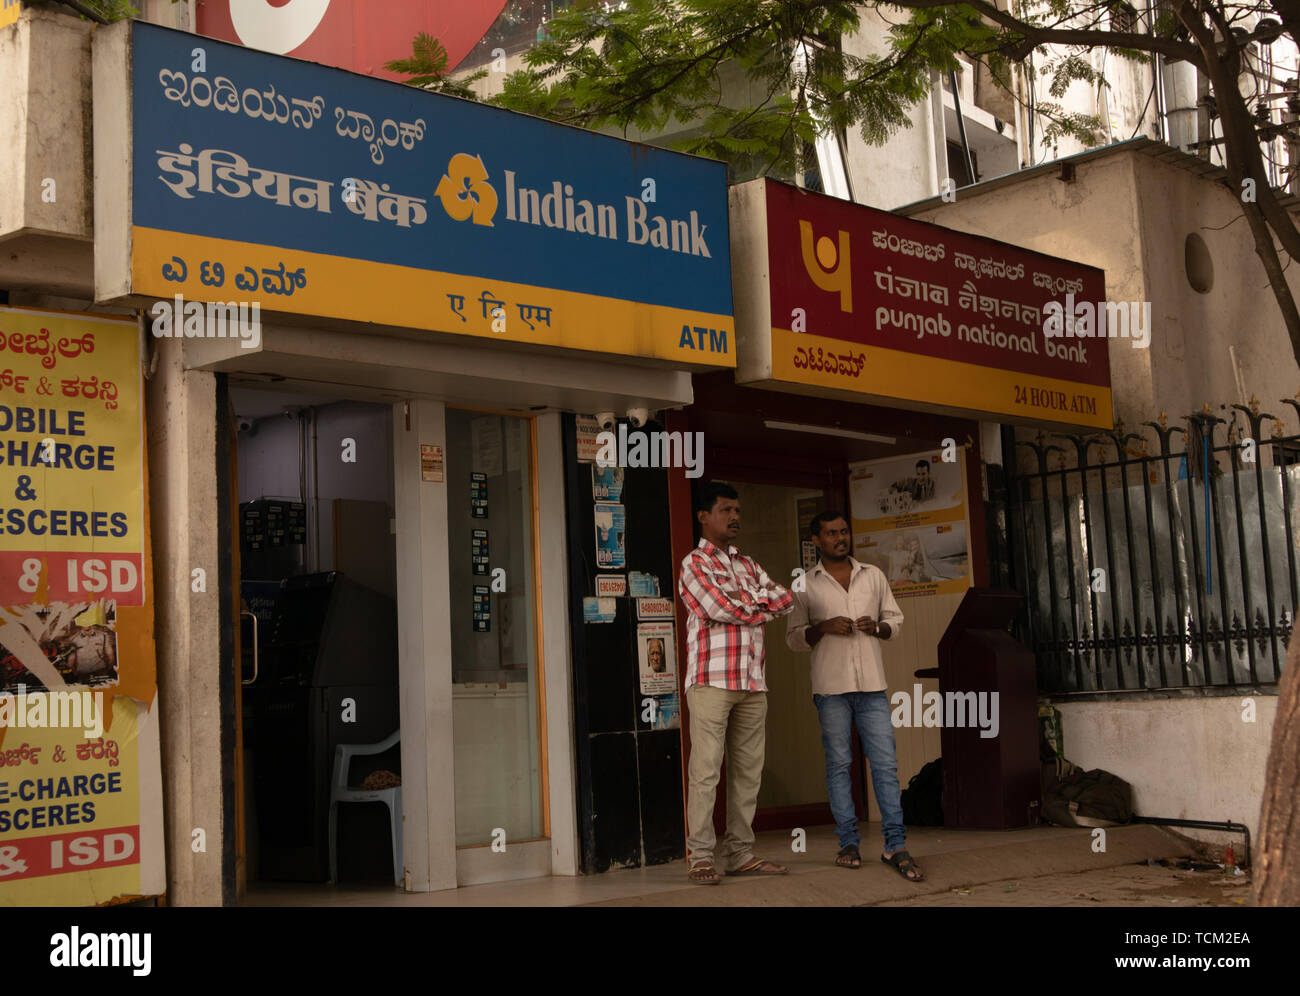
728, 598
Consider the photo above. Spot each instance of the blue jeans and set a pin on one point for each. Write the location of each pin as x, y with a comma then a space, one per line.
870, 712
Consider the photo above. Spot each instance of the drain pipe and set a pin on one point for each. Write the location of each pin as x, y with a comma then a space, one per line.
1157, 81
1226, 827
1178, 87
936, 133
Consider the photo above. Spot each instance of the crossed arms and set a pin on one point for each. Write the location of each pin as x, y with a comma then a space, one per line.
755, 602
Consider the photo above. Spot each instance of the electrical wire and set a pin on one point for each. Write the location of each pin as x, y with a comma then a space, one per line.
1142, 114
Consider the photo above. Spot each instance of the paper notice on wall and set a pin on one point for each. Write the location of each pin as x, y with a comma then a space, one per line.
430, 463
478, 495
588, 429
806, 508
654, 608
479, 556
910, 520
482, 608
611, 532
606, 483
641, 585
611, 585
807, 555
656, 657
662, 713
599, 610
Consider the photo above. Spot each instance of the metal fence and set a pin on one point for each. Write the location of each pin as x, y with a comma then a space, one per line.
1142, 570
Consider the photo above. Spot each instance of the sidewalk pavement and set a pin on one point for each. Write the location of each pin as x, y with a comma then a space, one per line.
951, 859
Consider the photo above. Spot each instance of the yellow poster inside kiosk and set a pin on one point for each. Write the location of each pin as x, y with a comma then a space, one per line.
80, 779
910, 519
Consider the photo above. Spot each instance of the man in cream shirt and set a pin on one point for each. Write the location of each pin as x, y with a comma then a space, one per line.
844, 613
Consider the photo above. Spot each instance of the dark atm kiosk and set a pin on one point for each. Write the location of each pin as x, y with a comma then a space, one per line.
330, 639
989, 783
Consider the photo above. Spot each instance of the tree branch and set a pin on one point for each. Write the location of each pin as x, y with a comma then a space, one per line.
1085, 37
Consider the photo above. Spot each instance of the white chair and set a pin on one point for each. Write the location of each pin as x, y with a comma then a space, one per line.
341, 792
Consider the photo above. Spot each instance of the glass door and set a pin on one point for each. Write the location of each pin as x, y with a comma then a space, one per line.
496, 658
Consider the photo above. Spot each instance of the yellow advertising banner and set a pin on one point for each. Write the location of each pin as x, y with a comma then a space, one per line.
910, 520
80, 778
9, 12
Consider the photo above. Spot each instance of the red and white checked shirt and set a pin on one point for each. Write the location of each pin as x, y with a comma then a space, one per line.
728, 598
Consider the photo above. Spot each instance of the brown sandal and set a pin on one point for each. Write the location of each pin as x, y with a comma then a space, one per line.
760, 866
704, 874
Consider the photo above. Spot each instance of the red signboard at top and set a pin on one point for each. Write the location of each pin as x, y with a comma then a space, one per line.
361, 35
866, 301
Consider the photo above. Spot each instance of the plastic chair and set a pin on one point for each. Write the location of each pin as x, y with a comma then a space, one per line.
341, 792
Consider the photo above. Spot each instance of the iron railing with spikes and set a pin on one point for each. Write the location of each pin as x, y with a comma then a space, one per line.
1142, 571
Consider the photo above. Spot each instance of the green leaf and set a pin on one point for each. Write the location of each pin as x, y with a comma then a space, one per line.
427, 69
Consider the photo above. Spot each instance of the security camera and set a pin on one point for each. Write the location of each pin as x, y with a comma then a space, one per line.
606, 421
638, 417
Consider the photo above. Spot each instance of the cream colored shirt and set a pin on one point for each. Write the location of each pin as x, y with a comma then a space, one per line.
844, 663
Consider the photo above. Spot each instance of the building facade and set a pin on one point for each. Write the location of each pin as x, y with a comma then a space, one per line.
386, 515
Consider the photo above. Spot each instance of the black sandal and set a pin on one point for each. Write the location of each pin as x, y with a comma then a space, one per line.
903, 863
849, 857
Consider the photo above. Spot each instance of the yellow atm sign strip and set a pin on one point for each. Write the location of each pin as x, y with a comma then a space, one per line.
165, 264
9, 12
801, 358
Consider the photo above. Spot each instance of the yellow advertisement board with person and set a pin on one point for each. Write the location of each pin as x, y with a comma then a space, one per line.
910, 519
80, 776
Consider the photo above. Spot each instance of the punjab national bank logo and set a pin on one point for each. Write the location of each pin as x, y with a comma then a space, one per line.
465, 193
827, 264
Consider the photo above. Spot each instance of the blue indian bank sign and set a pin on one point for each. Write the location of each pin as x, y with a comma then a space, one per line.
320, 192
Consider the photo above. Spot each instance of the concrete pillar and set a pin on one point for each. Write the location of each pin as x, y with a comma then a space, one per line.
168, 14
554, 594
424, 652
182, 453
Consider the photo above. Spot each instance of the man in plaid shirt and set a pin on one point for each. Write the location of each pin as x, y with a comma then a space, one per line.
729, 598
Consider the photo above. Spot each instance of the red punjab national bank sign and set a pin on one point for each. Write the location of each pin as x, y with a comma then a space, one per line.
843, 300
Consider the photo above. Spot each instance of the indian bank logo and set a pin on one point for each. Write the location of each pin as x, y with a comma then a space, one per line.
275, 25
464, 190
828, 265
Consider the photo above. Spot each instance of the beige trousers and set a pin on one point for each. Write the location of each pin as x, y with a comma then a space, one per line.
723, 721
